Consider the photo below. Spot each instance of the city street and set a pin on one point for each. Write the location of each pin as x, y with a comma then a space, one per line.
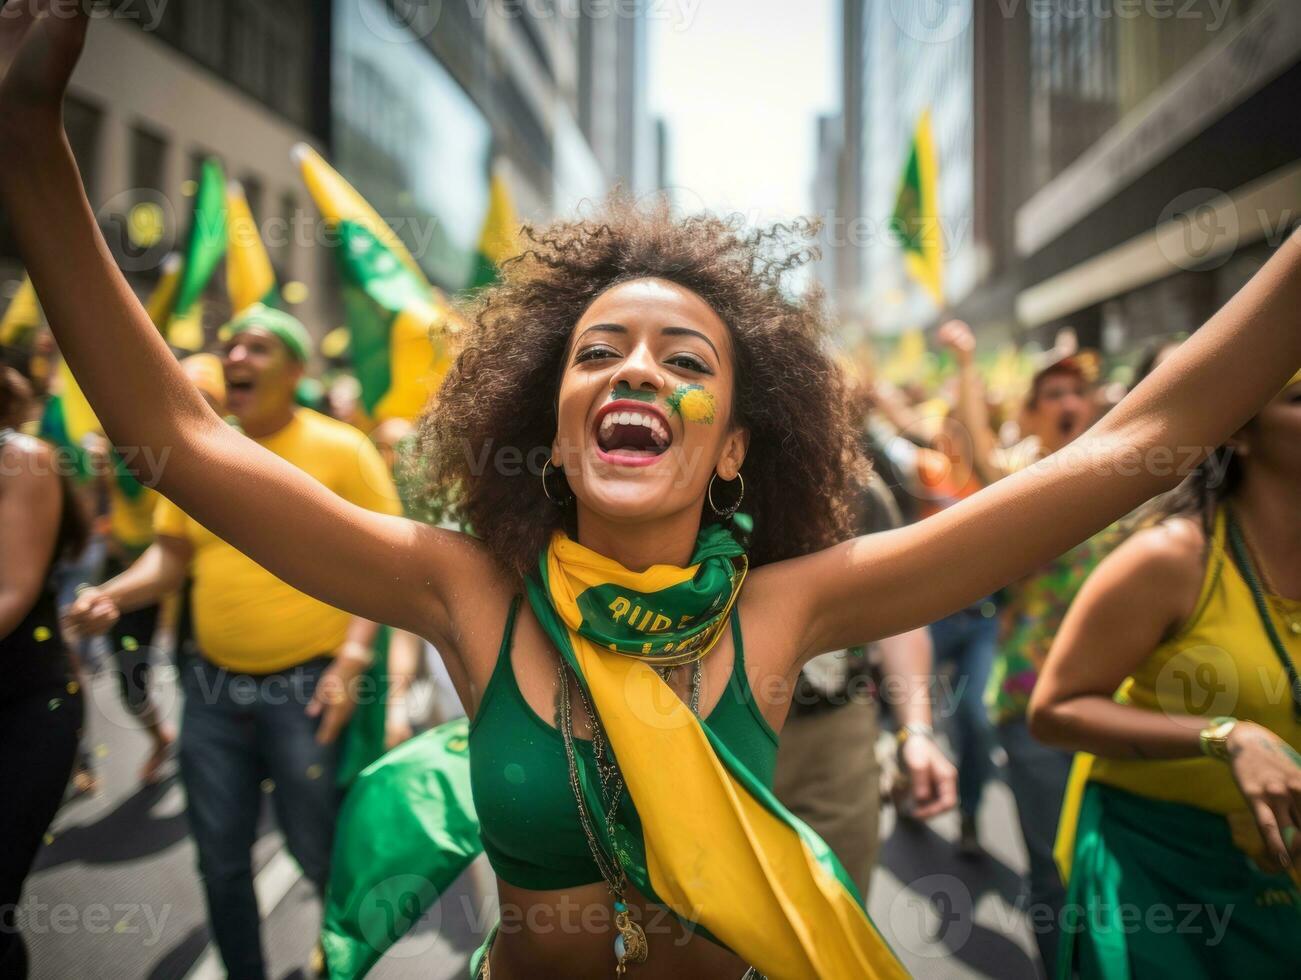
115, 892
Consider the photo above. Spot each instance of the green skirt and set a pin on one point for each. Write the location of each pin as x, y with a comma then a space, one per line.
1159, 890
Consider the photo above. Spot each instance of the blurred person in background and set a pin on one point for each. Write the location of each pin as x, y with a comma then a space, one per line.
1057, 411
296, 656
936, 453
827, 771
1176, 667
40, 700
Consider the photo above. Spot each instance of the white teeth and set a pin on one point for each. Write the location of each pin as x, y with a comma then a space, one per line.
657, 428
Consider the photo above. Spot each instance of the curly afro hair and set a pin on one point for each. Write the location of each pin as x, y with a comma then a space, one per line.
484, 442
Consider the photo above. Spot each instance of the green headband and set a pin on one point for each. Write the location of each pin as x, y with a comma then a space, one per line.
285, 328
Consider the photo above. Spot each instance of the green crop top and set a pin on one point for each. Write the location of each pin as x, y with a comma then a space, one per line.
527, 815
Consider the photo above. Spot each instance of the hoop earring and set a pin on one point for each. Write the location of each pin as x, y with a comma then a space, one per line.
545, 489
736, 505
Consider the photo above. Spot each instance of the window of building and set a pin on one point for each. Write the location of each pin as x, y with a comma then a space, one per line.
83, 123
148, 159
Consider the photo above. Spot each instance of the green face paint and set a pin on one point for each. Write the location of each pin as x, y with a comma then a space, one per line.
624, 390
693, 403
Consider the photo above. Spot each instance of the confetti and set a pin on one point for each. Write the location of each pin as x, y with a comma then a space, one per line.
129, 644
42, 633
49, 839
314, 771
55, 704
73, 687
101, 750
268, 785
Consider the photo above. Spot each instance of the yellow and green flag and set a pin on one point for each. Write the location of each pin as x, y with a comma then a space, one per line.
204, 251
22, 317
250, 277
499, 239
915, 223
396, 320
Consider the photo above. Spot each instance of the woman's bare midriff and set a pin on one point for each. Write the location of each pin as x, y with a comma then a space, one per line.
570, 934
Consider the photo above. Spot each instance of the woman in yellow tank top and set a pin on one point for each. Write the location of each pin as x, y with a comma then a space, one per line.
1179, 838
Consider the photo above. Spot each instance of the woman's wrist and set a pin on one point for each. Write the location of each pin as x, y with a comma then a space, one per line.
1243, 733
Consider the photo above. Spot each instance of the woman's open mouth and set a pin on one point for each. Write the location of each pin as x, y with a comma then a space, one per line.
631, 434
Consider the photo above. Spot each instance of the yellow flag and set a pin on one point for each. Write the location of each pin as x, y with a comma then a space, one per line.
499, 238
249, 276
22, 318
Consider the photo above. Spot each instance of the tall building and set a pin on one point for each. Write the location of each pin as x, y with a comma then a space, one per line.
1164, 165
152, 98
909, 67
417, 103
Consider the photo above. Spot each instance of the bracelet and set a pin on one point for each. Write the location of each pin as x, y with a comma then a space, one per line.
913, 729
1214, 738
352, 650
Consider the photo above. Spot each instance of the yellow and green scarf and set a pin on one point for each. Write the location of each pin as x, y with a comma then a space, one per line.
708, 839
713, 844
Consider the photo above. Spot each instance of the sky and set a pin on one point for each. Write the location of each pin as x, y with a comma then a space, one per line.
741, 83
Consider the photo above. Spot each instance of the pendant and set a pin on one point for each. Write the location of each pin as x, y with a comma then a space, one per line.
630, 945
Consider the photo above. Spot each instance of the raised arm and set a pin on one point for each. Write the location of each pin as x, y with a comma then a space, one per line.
971, 411
1207, 389
382, 568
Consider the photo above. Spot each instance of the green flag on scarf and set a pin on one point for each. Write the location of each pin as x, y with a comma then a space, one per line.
406, 831
206, 247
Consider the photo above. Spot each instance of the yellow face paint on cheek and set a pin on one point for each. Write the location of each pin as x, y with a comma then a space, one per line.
693, 403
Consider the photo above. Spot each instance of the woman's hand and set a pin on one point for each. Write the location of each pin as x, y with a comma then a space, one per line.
92, 614
40, 42
1268, 773
930, 784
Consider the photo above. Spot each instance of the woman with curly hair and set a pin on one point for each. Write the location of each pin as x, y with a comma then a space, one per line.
655, 375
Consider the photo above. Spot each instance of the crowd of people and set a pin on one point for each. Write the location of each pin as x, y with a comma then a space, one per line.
678, 639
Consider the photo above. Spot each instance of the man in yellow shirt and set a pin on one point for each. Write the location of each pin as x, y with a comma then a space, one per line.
273, 683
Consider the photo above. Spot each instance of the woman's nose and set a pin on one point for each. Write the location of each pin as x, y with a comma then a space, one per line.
640, 371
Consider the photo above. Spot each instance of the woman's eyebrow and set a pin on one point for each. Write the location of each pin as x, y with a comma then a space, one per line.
688, 331
666, 331
606, 328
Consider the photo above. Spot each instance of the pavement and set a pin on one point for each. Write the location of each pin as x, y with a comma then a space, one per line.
115, 893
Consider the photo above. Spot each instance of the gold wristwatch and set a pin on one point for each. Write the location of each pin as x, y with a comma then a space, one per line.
1215, 737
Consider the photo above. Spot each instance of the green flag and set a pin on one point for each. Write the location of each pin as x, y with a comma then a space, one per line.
206, 247
396, 319
498, 240
406, 831
915, 223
